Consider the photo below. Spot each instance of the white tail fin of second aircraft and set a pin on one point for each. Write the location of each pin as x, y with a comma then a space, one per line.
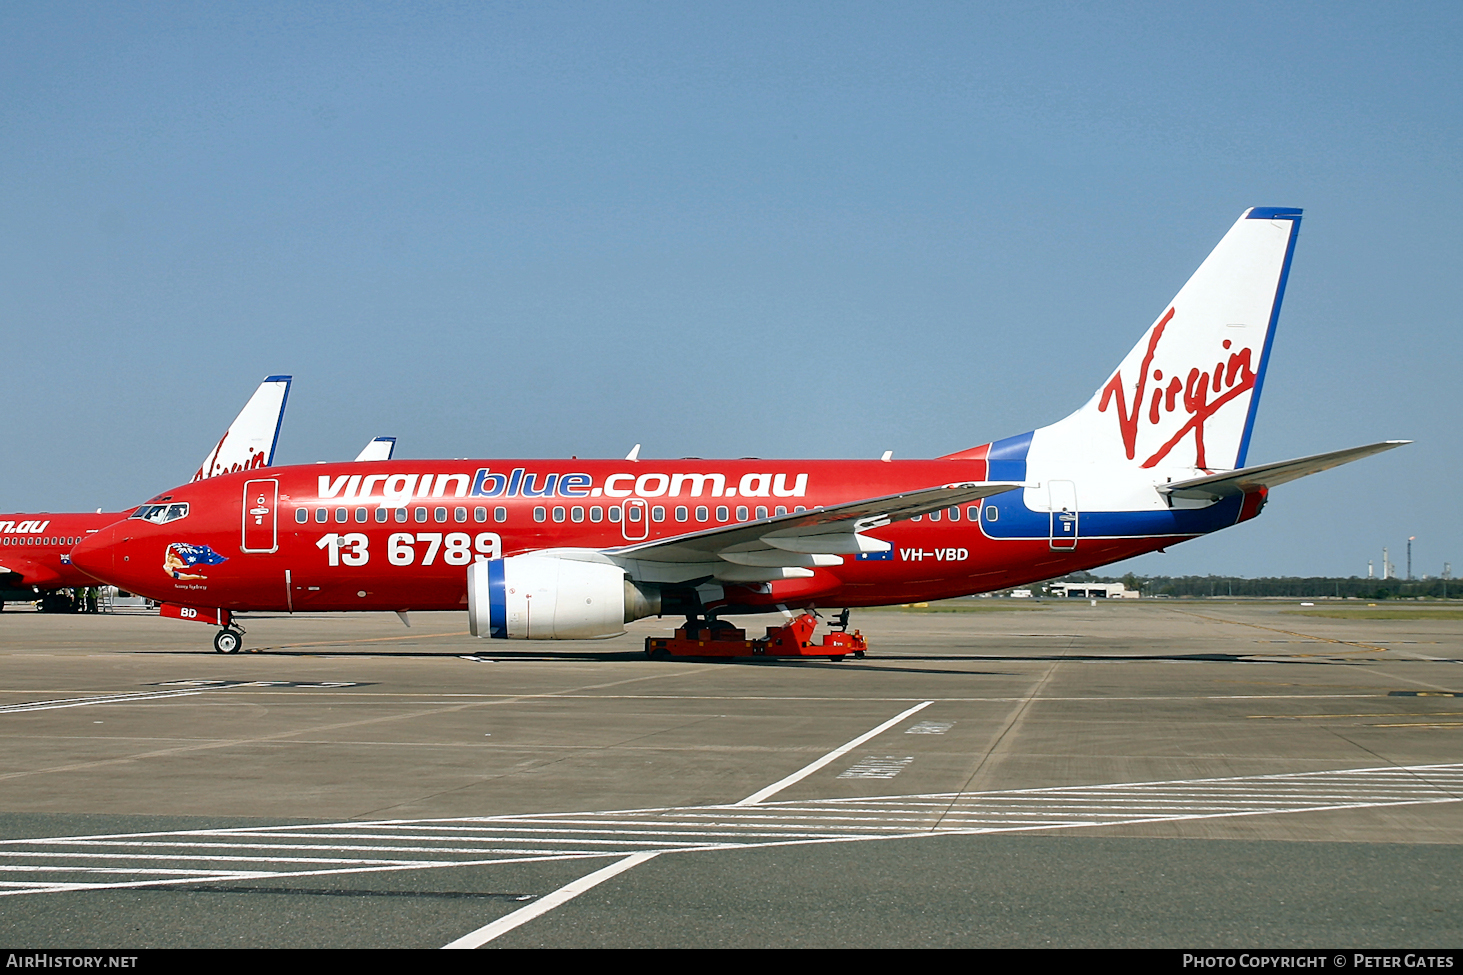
1184, 399
250, 440
379, 449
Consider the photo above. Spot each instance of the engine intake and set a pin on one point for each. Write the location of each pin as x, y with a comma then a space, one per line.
535, 597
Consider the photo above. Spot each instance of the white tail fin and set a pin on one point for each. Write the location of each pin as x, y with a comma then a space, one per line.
250, 440
379, 449
1185, 397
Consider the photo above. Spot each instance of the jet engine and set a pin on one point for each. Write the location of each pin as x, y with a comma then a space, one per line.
541, 597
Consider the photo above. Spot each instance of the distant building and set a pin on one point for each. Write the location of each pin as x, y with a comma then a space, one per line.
1091, 590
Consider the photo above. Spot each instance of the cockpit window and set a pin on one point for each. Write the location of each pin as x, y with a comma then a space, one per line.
161, 514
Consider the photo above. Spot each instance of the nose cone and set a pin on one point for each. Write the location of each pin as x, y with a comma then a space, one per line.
96, 555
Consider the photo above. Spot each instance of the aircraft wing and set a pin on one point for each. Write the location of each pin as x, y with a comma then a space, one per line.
787, 546
379, 449
250, 440
1216, 486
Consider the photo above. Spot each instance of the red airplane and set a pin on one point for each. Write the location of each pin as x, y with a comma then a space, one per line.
574, 549
35, 549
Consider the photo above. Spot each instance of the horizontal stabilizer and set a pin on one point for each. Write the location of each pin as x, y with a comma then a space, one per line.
1216, 486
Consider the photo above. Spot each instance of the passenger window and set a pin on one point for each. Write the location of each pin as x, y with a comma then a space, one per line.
540, 513
781, 510
341, 516
480, 514
918, 518
955, 514
934, 516
459, 515
500, 515
401, 516
681, 513
992, 513
420, 514
576, 513
302, 515
558, 512
439, 515
741, 512
361, 516
702, 512
596, 514
657, 513
634, 512
973, 512
798, 509
761, 511
614, 514
723, 513
381, 516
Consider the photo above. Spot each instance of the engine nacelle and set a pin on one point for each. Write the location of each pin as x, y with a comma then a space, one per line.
537, 597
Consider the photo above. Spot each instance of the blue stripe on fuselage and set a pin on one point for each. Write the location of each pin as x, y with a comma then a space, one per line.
1015, 520
1006, 459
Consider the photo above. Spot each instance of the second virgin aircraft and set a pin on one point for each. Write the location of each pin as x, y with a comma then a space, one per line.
574, 549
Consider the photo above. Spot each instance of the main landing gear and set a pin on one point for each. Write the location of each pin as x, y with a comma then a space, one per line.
228, 640
717, 638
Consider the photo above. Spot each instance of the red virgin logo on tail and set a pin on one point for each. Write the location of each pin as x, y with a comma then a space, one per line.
1229, 379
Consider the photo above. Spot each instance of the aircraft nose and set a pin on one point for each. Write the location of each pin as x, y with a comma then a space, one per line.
96, 554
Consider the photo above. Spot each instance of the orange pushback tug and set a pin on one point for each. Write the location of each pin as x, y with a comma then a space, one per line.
699, 638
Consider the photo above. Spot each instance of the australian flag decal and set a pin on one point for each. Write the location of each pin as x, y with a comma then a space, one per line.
182, 557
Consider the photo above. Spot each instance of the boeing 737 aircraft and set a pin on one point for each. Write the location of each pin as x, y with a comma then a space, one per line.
574, 549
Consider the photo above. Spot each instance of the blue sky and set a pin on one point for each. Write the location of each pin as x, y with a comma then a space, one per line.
779, 230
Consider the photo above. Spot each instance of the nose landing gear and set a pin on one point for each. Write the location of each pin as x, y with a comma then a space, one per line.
228, 640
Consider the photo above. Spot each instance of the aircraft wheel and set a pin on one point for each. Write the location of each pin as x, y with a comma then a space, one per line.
226, 641
858, 653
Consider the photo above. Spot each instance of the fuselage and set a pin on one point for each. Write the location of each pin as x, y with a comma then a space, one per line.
400, 535
35, 549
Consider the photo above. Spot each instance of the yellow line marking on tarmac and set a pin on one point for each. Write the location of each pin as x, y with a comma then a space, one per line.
373, 639
1276, 629
1421, 724
1440, 714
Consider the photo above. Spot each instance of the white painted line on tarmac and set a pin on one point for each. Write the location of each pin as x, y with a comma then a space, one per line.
81, 702
569, 891
36, 865
807, 770
877, 767
547, 903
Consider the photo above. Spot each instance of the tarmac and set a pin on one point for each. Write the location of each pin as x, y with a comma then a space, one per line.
1154, 773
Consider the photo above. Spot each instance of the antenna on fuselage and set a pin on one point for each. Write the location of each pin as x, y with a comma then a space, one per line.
634, 453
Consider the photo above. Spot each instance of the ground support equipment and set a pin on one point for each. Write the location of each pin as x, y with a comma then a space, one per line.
703, 638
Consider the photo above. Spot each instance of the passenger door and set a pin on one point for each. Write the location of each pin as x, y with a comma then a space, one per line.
261, 521
1062, 503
